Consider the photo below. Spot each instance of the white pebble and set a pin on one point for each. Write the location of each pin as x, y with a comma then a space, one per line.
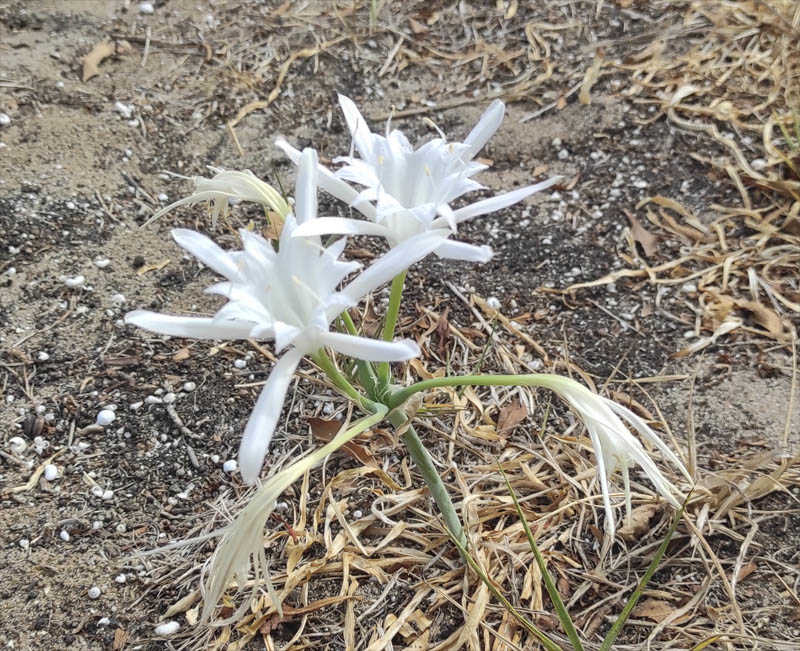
759, 164
153, 400
101, 262
167, 628
74, 281
230, 465
357, 515
134, 406
17, 444
108, 494
493, 302
120, 578
43, 356
105, 417
50, 472
103, 621
96, 524
169, 398
214, 458
146, 8
94, 592
121, 528
5, 120
125, 110
240, 363
40, 444
24, 543
162, 197
97, 491
118, 299
189, 386
64, 535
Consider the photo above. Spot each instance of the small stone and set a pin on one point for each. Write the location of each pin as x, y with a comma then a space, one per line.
103, 621
108, 495
563, 154
101, 262
96, 524
214, 458
117, 299
97, 491
17, 444
120, 578
105, 417
94, 592
162, 197
759, 164
146, 8
64, 535
358, 515
189, 386
169, 398
125, 110
73, 281
167, 628
240, 363
50, 472
121, 528
493, 302
229, 466
43, 356
5, 119
24, 543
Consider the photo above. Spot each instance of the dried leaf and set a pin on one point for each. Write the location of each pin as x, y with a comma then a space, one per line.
746, 570
181, 354
639, 521
647, 240
589, 79
120, 639
654, 609
324, 429
764, 316
101, 51
511, 415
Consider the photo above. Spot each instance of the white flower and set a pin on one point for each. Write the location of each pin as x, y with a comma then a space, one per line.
614, 445
228, 185
408, 191
289, 296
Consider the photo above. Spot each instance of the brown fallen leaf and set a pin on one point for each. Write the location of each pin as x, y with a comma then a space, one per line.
324, 429
639, 522
120, 639
647, 240
764, 316
746, 570
511, 415
654, 609
100, 52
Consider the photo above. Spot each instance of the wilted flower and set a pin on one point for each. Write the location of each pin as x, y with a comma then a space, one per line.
614, 445
228, 185
408, 191
289, 296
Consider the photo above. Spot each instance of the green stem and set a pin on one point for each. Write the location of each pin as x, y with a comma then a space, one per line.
422, 459
389, 325
546, 380
342, 383
366, 374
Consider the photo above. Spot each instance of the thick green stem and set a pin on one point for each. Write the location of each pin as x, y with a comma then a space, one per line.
435, 484
366, 374
389, 325
546, 380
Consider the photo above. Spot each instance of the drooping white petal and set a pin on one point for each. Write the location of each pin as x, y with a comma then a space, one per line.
357, 126
501, 200
305, 198
394, 262
602, 476
370, 350
207, 251
340, 226
188, 326
261, 425
485, 129
454, 250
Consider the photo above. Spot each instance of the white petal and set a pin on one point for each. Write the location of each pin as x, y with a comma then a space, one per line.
455, 250
501, 201
370, 350
188, 326
261, 425
602, 477
284, 334
357, 125
394, 262
207, 251
305, 193
340, 226
485, 129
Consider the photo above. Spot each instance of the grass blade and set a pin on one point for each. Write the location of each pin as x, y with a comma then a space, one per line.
555, 597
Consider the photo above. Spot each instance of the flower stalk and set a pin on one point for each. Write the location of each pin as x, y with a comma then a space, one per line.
389, 325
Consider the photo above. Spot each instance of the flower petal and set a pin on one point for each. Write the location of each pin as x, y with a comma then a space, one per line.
189, 326
394, 262
371, 350
261, 425
340, 226
305, 193
455, 250
207, 251
501, 200
485, 129
362, 137
602, 476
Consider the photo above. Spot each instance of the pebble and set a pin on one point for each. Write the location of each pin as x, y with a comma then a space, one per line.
240, 363
125, 110
759, 164
358, 515
94, 592
214, 458
118, 299
101, 262
64, 535
146, 8
108, 495
24, 543
40, 444
43, 356
121, 528
103, 621
105, 417
167, 628
153, 400
73, 281
97, 491
169, 398
162, 197
230, 465
120, 578
17, 444
50, 472
5, 120
189, 386
493, 302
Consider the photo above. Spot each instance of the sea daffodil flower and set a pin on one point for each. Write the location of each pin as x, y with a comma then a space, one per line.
228, 185
408, 191
616, 448
289, 296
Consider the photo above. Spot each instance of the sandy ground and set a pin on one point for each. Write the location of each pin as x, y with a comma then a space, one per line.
83, 165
